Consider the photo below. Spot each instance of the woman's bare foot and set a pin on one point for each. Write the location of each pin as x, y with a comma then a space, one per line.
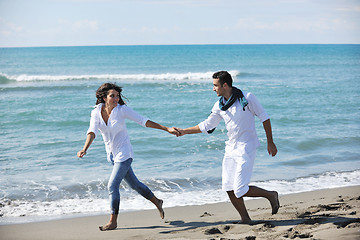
274, 201
109, 226
161, 210
158, 203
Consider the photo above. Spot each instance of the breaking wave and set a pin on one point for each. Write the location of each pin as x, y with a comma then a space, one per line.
5, 78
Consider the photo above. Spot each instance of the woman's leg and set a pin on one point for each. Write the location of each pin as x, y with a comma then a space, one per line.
120, 169
144, 191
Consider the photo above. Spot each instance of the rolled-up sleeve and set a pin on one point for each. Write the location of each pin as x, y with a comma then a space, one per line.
211, 122
129, 113
256, 108
94, 122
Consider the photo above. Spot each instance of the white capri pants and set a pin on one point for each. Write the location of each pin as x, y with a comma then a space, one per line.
237, 168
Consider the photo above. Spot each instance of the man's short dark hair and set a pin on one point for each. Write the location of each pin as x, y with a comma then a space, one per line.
224, 77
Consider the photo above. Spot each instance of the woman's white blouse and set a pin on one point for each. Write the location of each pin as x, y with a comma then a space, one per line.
114, 133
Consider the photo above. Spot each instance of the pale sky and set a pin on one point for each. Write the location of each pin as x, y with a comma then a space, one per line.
25, 23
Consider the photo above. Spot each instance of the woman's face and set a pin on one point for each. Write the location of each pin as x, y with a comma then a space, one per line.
112, 98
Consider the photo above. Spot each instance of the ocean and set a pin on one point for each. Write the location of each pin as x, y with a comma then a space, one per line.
311, 93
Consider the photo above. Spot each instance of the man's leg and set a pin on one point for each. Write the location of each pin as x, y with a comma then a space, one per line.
272, 196
239, 205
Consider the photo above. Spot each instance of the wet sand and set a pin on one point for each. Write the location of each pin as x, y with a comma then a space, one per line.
323, 214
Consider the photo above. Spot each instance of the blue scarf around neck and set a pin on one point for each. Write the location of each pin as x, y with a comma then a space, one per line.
236, 94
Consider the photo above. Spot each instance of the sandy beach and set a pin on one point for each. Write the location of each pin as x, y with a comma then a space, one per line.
322, 214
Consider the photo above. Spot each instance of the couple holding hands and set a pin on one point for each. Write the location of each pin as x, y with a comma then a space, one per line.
238, 109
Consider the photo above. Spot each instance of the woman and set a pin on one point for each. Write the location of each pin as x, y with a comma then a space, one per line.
109, 117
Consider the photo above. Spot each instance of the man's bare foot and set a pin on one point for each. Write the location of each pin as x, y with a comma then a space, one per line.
109, 226
248, 221
161, 210
275, 204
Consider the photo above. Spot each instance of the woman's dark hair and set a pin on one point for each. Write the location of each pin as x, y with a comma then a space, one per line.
224, 77
103, 90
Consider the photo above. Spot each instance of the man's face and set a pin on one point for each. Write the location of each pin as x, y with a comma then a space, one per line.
217, 87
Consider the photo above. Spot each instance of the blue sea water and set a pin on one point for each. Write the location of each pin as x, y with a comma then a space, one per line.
311, 93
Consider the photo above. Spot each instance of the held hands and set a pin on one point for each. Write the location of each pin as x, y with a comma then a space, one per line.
190, 130
180, 131
176, 131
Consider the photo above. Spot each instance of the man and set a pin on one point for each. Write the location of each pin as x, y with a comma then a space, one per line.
238, 110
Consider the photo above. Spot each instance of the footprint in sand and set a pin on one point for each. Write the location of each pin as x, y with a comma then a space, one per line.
212, 231
206, 214
353, 222
292, 233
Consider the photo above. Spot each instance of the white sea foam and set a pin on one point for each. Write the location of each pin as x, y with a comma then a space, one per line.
24, 211
133, 77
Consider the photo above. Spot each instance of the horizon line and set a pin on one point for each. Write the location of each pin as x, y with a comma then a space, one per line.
192, 44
